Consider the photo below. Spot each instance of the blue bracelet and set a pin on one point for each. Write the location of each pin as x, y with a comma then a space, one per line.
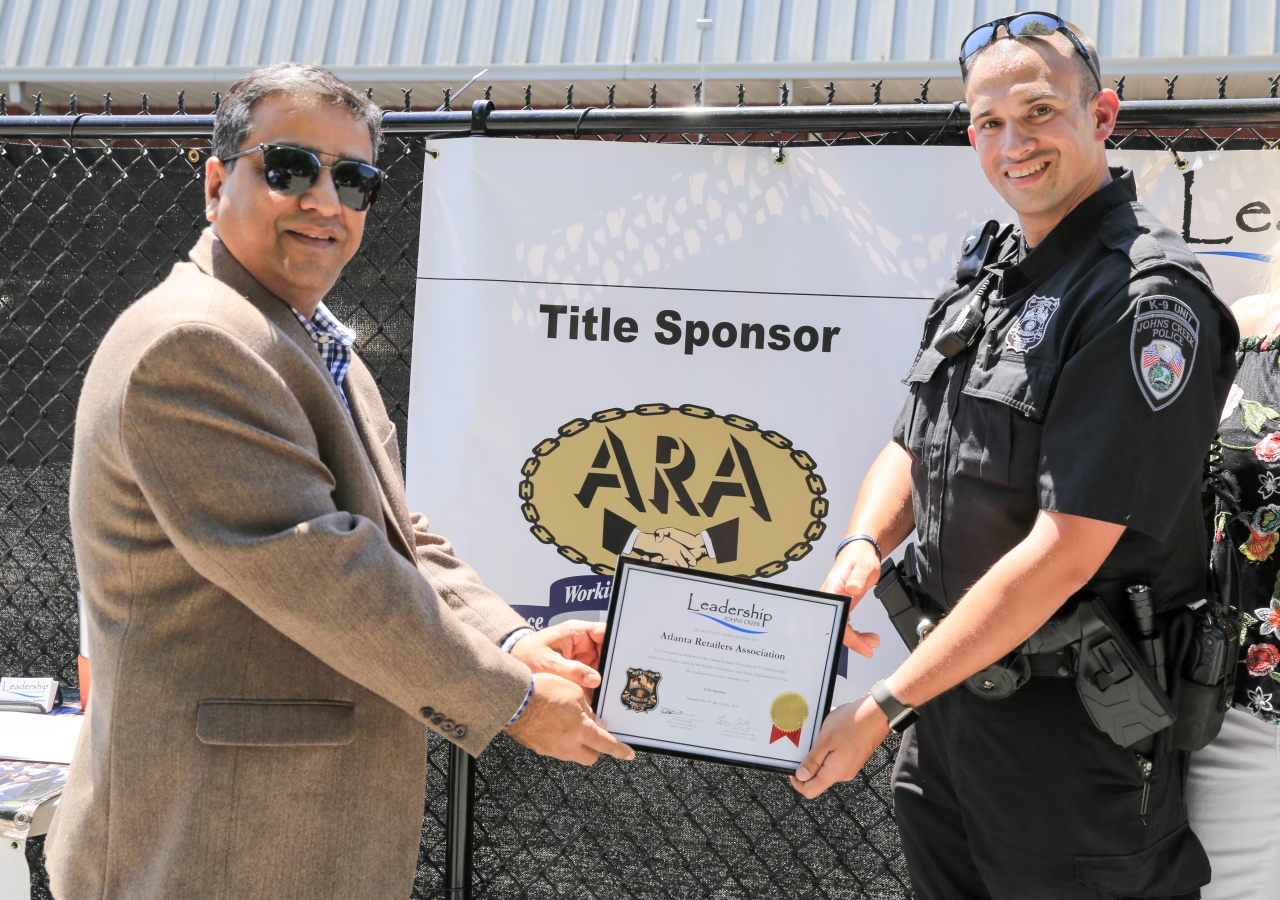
861, 537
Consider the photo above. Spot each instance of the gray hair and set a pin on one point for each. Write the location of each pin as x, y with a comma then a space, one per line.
233, 122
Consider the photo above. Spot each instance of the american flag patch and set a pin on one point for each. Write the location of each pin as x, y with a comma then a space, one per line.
1170, 353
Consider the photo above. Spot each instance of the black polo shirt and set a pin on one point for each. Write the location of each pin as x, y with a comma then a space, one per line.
1094, 389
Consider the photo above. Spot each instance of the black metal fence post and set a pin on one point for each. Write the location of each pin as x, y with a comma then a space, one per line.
458, 825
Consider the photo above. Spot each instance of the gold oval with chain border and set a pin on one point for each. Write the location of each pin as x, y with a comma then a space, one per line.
678, 485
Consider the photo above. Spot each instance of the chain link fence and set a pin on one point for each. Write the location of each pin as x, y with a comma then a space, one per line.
89, 226
83, 234
661, 826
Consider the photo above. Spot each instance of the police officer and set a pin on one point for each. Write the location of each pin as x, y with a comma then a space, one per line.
1068, 384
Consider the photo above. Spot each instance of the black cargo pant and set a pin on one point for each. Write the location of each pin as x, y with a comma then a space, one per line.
1024, 799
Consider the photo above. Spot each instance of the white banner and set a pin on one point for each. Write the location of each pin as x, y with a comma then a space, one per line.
693, 353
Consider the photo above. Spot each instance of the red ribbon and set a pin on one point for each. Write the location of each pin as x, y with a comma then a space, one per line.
793, 736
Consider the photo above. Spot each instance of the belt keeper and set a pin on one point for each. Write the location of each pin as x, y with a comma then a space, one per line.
861, 537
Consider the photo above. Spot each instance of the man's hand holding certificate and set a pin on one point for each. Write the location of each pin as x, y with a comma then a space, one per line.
728, 669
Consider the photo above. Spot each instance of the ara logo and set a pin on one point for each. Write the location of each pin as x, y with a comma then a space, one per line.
681, 486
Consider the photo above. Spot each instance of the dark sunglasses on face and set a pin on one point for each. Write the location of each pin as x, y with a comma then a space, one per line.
290, 171
1029, 24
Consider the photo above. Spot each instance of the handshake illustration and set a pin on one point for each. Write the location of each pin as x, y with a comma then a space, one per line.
670, 546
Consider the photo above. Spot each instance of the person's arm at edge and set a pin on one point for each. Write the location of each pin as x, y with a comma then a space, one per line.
1256, 313
1006, 606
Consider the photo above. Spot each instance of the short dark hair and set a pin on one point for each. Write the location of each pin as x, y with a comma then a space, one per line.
233, 122
1088, 87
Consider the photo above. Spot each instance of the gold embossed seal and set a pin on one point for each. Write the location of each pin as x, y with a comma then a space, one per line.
788, 712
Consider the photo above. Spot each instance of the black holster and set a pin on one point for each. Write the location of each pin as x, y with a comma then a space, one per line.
899, 592
1116, 680
1119, 688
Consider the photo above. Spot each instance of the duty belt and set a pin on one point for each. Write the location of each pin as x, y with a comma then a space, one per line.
1121, 684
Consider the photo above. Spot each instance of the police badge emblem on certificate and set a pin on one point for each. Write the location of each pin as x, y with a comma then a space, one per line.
1163, 347
641, 692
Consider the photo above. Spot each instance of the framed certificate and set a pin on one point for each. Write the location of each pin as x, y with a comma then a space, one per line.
719, 668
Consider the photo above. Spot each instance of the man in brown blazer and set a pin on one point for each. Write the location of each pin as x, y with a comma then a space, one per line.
273, 631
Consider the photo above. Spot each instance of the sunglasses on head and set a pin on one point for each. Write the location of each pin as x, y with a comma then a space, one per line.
1030, 24
291, 170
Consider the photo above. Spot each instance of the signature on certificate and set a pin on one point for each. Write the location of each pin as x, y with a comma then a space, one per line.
668, 711
729, 722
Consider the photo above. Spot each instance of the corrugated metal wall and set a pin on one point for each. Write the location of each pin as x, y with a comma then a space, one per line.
246, 33
55, 41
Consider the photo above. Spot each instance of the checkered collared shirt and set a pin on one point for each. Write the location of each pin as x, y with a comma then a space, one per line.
334, 341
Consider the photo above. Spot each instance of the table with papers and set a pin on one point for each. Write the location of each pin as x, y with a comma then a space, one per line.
35, 751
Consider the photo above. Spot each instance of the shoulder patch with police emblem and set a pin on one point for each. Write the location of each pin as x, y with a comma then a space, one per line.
1027, 333
1166, 333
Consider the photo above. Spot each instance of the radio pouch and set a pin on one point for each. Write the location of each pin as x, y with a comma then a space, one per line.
975, 249
1204, 643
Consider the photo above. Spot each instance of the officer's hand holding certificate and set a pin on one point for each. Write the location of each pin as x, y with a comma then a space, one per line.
720, 668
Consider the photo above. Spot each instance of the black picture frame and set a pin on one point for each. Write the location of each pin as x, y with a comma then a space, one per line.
610, 634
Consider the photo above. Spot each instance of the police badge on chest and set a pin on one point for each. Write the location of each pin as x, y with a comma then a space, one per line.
1027, 333
1163, 347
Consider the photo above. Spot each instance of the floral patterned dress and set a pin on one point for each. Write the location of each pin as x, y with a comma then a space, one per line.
1250, 440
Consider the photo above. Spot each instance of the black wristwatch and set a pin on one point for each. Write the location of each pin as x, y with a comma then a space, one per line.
900, 715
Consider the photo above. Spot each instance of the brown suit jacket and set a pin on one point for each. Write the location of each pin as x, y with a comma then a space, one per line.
271, 627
